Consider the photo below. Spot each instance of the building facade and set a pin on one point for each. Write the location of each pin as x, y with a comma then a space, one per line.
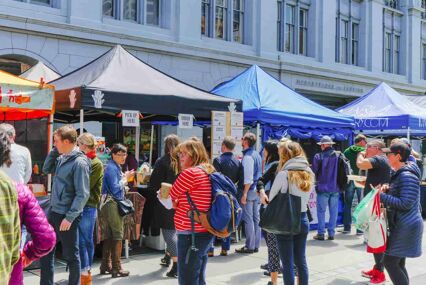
328, 50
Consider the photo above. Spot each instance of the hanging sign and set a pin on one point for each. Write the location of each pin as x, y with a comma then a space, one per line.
130, 118
186, 121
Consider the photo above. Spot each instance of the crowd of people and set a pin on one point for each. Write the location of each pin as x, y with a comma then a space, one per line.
82, 189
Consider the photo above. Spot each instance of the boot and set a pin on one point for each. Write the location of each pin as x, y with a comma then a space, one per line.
106, 265
117, 271
86, 279
173, 272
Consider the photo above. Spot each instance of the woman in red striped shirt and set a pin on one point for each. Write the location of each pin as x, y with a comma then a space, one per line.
193, 179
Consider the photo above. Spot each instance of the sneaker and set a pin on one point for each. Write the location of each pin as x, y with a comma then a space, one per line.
330, 238
210, 254
368, 273
256, 250
244, 250
344, 231
319, 237
224, 252
378, 278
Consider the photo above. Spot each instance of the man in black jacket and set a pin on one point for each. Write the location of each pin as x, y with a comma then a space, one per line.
231, 167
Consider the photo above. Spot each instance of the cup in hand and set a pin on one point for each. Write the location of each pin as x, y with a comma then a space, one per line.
165, 190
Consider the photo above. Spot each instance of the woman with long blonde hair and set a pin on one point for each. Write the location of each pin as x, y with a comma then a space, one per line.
193, 180
295, 176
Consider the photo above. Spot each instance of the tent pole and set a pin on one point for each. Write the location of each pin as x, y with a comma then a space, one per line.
49, 147
81, 121
258, 136
137, 142
151, 145
408, 134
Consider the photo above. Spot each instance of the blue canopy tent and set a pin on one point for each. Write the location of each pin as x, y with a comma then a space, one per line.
280, 110
384, 111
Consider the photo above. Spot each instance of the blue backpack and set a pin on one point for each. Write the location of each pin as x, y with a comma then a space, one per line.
225, 212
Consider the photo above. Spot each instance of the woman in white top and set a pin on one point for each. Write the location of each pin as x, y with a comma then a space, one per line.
296, 175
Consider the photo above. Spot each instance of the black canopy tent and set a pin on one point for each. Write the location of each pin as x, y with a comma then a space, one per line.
117, 81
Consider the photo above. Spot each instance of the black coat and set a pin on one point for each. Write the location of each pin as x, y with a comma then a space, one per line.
162, 172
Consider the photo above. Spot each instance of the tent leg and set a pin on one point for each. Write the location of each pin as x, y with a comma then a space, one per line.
49, 147
258, 137
151, 145
408, 133
81, 121
137, 142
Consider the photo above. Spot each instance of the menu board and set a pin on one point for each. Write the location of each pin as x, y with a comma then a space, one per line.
226, 124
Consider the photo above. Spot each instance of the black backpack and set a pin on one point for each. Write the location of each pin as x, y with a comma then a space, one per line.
343, 169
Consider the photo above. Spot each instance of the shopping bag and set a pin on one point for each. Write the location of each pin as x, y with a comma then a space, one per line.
377, 229
362, 213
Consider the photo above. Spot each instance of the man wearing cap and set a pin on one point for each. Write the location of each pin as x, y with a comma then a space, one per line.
374, 160
351, 153
325, 166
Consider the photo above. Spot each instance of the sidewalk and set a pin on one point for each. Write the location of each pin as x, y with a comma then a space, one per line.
330, 262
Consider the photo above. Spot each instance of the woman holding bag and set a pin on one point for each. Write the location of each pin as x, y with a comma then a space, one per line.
402, 201
296, 178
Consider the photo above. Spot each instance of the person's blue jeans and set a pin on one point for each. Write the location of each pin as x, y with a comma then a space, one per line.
330, 199
226, 243
347, 211
251, 218
192, 263
85, 231
292, 249
70, 252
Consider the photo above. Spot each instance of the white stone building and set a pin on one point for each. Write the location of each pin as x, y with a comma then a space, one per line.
328, 50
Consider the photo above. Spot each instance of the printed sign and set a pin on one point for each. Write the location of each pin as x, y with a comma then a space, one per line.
218, 118
25, 97
186, 121
130, 118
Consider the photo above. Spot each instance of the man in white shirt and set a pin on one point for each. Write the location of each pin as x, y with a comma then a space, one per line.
21, 168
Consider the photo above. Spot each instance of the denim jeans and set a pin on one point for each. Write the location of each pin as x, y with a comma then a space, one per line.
292, 250
192, 263
330, 199
347, 211
226, 243
85, 233
251, 218
70, 252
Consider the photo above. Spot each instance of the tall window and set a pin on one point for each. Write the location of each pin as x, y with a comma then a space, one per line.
344, 33
146, 12
289, 28
347, 33
424, 9
424, 61
129, 10
387, 56
221, 21
292, 26
205, 17
224, 19
238, 20
303, 31
355, 43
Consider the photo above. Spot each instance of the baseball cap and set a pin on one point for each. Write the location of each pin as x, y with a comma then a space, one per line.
399, 148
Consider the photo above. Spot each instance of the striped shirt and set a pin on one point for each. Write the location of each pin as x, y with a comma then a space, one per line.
197, 183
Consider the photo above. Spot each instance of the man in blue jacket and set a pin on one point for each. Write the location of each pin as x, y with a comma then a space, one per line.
70, 192
252, 165
231, 167
325, 166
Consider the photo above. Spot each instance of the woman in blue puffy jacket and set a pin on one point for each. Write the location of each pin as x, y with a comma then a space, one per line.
402, 200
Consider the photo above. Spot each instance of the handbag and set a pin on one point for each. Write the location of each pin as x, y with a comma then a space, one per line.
125, 207
283, 214
377, 229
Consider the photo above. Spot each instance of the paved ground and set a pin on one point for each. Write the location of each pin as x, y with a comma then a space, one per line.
330, 262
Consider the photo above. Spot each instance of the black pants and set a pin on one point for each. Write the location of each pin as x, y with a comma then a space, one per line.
395, 266
70, 252
378, 259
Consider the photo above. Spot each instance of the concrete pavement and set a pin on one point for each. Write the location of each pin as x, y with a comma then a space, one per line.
330, 262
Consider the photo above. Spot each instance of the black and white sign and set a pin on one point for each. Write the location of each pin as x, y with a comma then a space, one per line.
130, 118
186, 121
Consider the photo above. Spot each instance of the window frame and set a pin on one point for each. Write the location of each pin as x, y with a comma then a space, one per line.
303, 32
289, 31
354, 56
350, 51
241, 14
423, 46
141, 12
387, 51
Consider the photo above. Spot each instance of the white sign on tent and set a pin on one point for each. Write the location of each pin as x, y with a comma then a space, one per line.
130, 118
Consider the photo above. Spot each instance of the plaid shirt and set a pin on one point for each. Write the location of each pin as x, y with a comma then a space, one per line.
10, 228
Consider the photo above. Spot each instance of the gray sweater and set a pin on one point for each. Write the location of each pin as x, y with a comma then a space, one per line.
281, 181
70, 190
